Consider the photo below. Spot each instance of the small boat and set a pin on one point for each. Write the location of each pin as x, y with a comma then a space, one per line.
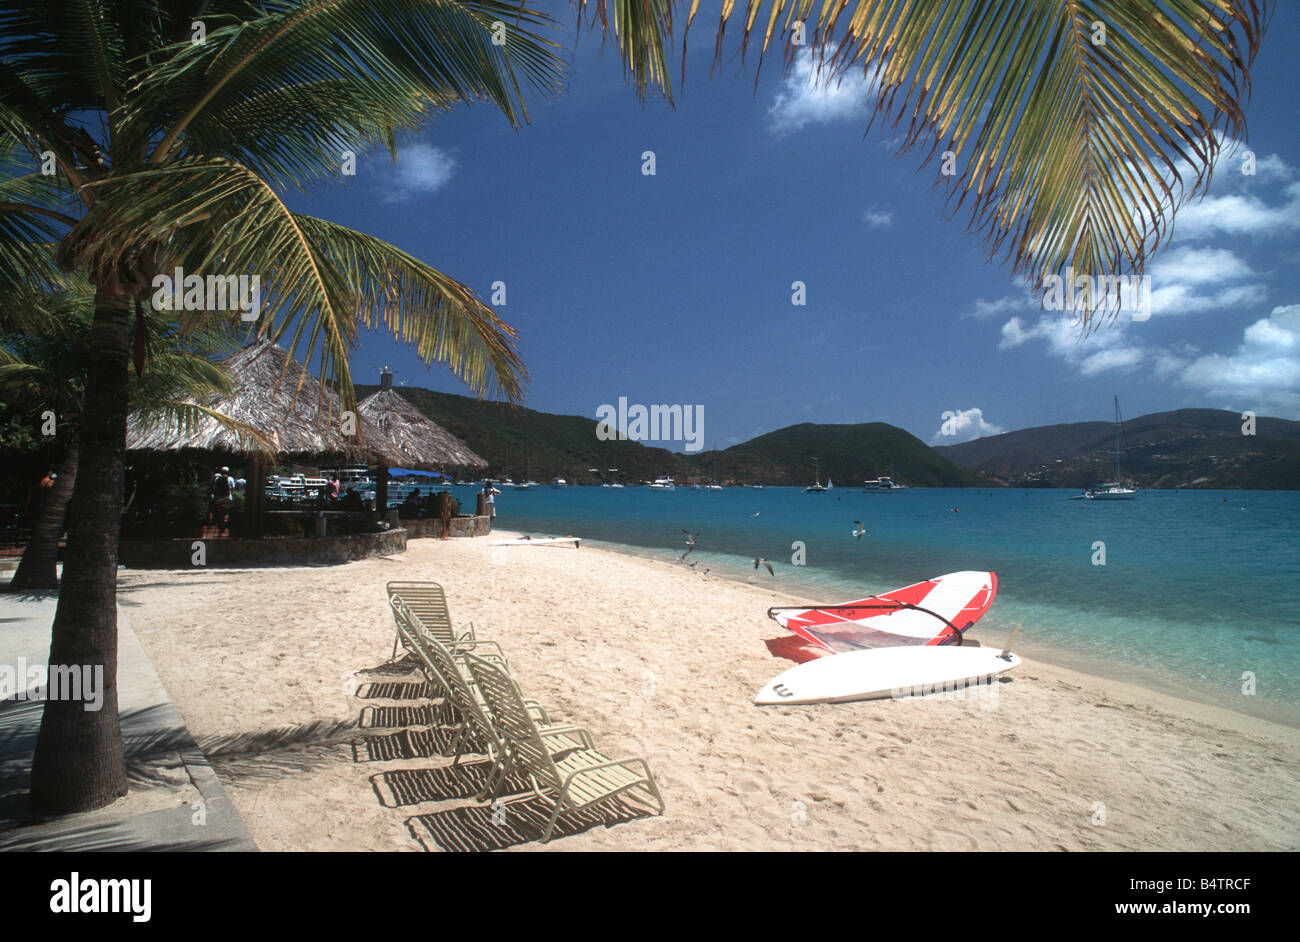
882, 485
558, 481
662, 483
1112, 490
817, 487
528, 482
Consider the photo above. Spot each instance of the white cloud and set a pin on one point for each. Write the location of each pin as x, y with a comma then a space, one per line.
1238, 212
1199, 266
984, 310
1237, 215
878, 218
963, 426
421, 169
808, 96
1120, 358
1264, 372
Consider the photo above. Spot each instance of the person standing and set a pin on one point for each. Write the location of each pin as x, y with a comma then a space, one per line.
219, 495
489, 492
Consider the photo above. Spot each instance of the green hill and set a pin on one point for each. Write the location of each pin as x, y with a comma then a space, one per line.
1202, 448
567, 445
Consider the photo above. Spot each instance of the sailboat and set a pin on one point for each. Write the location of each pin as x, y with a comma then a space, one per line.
527, 483
817, 487
713, 484
1113, 490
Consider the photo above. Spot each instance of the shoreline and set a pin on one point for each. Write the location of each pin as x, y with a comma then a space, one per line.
279, 674
1165, 692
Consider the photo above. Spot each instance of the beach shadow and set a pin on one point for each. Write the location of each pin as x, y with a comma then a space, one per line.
272, 754
27, 595
395, 690
406, 664
398, 717
401, 788
108, 836
429, 743
792, 648
510, 824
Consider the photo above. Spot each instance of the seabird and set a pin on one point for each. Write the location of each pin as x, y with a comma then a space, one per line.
858, 529
764, 562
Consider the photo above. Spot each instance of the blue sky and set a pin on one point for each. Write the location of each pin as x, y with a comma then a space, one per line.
676, 287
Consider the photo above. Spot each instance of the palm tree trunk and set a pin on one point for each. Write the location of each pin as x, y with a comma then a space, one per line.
39, 566
80, 763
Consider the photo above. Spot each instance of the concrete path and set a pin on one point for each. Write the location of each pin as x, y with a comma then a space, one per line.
176, 801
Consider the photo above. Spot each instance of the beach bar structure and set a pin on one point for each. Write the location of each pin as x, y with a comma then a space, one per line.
287, 414
404, 437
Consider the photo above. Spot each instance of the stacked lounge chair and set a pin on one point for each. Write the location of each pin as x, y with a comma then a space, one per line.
557, 763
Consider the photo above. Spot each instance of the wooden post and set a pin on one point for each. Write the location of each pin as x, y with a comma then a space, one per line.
255, 497
381, 490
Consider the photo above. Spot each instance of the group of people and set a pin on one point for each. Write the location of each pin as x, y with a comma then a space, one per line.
415, 506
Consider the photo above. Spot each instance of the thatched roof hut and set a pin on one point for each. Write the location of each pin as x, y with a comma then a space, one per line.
405, 437
274, 394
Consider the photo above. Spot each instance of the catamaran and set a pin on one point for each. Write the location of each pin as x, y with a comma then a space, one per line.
1112, 490
817, 487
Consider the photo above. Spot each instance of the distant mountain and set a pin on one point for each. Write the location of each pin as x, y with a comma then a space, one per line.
847, 454
567, 444
1202, 448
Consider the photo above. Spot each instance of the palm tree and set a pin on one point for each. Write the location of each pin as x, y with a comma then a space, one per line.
171, 152
43, 357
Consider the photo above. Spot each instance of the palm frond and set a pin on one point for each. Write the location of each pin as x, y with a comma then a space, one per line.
394, 59
1076, 128
443, 318
213, 216
184, 417
643, 30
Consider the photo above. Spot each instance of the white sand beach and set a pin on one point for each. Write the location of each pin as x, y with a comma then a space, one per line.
659, 661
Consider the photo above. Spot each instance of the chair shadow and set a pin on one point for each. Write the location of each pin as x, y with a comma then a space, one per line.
505, 824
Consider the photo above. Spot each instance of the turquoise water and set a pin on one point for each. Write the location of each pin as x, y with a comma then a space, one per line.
1198, 587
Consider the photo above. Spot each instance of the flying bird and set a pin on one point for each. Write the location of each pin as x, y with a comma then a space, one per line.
690, 544
858, 529
755, 513
764, 562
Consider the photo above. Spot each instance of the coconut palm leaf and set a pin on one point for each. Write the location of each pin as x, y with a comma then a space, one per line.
1077, 127
394, 56
319, 280
643, 30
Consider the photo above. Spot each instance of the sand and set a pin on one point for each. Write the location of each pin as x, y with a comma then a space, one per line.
275, 669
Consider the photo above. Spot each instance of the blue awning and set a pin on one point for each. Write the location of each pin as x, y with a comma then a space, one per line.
407, 473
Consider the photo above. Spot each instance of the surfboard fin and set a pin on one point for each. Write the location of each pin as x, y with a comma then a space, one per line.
1006, 652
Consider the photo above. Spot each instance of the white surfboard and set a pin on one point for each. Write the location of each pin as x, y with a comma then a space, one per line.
886, 672
540, 541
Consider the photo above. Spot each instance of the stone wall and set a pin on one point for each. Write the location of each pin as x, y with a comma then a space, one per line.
431, 528
179, 554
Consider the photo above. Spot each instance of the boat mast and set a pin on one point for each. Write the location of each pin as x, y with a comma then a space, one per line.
1118, 483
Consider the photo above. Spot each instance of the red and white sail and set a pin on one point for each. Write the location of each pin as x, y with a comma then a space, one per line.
937, 611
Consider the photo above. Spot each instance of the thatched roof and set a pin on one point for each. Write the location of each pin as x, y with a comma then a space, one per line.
290, 408
407, 438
